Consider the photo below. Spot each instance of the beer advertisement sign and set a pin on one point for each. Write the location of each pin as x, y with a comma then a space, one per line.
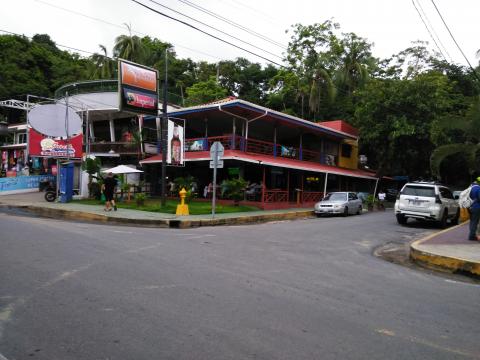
175, 144
138, 88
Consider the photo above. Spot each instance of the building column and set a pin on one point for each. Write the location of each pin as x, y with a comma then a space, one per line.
288, 185
234, 134
112, 130
275, 140
263, 188
325, 185
300, 154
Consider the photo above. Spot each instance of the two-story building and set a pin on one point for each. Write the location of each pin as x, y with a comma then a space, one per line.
294, 161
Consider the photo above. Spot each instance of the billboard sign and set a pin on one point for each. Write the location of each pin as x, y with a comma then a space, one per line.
138, 88
175, 144
44, 146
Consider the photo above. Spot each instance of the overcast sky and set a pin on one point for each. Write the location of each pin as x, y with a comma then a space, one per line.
390, 24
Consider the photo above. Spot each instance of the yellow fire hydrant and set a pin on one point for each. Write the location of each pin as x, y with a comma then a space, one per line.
182, 208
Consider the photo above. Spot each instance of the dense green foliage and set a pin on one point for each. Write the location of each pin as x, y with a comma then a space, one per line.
407, 107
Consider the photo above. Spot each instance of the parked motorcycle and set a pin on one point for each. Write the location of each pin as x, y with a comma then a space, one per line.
51, 192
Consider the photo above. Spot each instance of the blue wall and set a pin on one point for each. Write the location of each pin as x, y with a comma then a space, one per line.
22, 183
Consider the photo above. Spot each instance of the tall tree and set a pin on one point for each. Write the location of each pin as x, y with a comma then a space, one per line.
104, 66
129, 47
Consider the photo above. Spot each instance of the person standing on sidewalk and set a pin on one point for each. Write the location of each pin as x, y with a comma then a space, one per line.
381, 200
474, 210
108, 189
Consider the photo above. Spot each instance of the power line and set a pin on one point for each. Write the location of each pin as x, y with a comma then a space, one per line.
455, 41
214, 28
230, 22
72, 48
119, 26
206, 33
419, 3
428, 30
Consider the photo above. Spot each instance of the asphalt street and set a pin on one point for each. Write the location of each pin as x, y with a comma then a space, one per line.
306, 289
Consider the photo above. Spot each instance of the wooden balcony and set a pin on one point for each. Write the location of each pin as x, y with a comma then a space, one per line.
255, 146
121, 148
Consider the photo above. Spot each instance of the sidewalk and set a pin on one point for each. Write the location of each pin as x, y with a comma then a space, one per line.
448, 250
35, 203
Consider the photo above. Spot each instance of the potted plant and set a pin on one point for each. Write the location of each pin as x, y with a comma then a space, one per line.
370, 202
140, 199
234, 189
92, 167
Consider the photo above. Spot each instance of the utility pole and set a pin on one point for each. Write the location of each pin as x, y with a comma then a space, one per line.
164, 131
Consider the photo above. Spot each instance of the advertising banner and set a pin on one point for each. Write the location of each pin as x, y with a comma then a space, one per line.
19, 184
44, 146
138, 88
175, 141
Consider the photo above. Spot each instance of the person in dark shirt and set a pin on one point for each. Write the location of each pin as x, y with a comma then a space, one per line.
108, 189
474, 210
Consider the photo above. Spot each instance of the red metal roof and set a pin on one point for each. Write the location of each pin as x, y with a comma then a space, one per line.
270, 161
340, 125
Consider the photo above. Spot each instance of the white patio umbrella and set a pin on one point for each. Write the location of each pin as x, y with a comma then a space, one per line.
122, 169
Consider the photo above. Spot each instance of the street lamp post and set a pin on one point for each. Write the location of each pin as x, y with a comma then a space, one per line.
164, 131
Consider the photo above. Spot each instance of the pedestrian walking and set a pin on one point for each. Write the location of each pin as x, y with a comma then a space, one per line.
474, 210
381, 200
108, 188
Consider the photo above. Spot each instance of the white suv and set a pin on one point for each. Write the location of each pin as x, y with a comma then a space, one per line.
426, 201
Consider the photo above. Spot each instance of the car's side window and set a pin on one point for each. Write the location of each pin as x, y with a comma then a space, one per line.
446, 193
351, 196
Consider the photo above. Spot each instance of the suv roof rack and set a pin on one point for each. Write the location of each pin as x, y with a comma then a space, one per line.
427, 182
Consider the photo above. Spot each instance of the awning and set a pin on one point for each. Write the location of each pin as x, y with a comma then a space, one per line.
269, 161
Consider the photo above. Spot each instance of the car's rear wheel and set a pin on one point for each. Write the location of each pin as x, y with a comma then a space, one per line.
359, 211
443, 221
401, 219
345, 211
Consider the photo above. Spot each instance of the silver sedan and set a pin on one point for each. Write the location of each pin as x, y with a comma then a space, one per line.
344, 203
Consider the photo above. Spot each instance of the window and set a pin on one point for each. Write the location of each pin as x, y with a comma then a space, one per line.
447, 194
419, 191
21, 138
346, 150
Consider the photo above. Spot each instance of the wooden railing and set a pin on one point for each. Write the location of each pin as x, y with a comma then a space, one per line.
115, 147
270, 196
256, 146
311, 196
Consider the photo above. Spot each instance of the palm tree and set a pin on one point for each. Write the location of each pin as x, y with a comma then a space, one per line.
355, 61
104, 66
469, 125
321, 87
129, 47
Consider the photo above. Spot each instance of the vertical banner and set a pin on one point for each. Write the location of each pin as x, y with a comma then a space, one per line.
175, 144
138, 88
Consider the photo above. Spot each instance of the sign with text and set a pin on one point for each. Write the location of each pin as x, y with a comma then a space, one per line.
44, 146
219, 164
138, 88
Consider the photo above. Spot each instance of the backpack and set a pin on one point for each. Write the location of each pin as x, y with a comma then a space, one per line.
464, 200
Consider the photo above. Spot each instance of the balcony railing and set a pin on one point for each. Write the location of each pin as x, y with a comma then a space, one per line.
256, 146
122, 148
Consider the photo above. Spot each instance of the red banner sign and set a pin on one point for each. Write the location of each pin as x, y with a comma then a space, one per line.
44, 146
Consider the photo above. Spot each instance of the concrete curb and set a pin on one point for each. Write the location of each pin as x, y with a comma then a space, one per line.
163, 223
442, 262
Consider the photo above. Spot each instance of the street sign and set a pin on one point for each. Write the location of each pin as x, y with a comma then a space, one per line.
217, 148
219, 164
216, 154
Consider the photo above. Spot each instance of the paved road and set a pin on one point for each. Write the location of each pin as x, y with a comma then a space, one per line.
307, 289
